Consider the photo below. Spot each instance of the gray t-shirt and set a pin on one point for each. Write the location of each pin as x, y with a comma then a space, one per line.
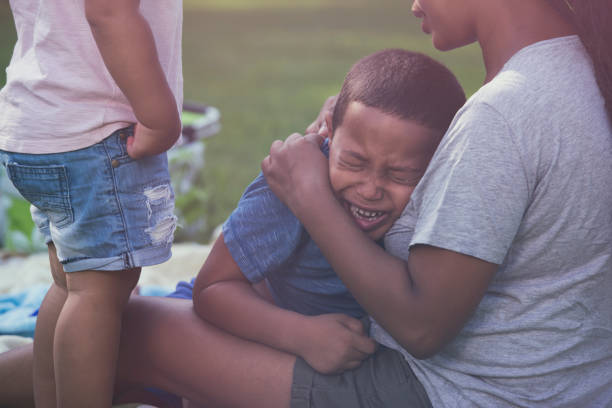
523, 179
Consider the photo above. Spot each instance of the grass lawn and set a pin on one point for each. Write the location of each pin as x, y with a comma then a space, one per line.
268, 65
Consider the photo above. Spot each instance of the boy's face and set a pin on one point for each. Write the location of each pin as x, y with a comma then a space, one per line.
375, 162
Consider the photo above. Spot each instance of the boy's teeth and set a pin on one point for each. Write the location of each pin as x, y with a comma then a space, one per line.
360, 212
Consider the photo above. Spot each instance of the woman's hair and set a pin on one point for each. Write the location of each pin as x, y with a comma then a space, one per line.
593, 22
405, 84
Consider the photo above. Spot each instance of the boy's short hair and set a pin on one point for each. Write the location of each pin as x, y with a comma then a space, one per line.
406, 84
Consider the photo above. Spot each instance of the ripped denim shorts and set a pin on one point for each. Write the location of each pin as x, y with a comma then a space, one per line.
102, 209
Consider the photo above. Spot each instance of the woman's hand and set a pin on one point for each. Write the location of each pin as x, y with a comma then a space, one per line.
298, 162
297, 171
318, 126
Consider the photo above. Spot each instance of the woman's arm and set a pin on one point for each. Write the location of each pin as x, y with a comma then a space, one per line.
224, 297
422, 302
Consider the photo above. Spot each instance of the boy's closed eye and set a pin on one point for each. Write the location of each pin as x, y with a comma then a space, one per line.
405, 176
352, 165
408, 176
352, 160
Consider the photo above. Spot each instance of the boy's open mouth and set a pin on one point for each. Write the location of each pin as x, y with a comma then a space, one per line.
366, 219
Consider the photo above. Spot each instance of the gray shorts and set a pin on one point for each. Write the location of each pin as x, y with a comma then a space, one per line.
383, 380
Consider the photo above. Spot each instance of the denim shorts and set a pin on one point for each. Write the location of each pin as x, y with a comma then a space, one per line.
102, 209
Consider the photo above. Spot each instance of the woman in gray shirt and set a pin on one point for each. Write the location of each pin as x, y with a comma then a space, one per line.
497, 288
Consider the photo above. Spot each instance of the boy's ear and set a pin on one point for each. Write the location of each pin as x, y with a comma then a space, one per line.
328, 123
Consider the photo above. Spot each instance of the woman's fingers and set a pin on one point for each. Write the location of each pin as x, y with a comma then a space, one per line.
319, 126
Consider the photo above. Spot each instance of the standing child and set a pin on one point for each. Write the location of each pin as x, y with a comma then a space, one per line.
82, 74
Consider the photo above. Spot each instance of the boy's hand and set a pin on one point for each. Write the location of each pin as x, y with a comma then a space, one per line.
149, 142
333, 343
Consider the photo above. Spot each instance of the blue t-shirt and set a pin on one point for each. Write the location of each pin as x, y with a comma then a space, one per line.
269, 243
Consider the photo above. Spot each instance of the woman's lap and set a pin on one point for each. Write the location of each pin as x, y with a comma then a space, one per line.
166, 345
383, 380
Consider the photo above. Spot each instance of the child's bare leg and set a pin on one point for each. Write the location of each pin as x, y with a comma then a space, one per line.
17, 391
16, 378
166, 345
43, 371
87, 336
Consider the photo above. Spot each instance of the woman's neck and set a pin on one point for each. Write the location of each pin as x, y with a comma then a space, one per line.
517, 25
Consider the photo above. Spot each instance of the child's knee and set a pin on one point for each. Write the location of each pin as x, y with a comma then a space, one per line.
109, 287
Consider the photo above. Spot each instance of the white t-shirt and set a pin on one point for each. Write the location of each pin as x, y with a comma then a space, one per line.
523, 179
59, 96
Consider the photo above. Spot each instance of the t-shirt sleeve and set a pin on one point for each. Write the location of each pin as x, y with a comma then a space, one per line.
261, 233
475, 191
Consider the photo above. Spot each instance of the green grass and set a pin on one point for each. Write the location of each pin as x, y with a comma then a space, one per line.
268, 65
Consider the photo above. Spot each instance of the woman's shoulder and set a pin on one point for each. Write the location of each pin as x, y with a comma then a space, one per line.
548, 79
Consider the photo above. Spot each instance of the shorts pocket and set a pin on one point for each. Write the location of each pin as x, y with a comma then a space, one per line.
45, 187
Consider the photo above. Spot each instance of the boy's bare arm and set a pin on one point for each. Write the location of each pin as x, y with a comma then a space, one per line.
225, 298
128, 49
424, 302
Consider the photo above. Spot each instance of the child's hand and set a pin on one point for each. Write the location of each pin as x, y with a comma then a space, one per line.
149, 142
335, 343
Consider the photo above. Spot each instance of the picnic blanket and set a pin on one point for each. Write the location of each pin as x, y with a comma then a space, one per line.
25, 281
18, 311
